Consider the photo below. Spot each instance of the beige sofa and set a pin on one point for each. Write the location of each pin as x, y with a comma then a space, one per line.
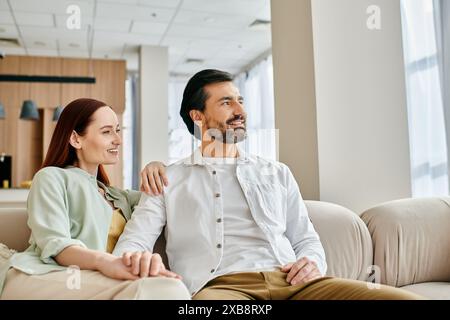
404, 243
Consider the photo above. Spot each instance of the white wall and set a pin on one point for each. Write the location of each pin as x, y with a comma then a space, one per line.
154, 79
361, 104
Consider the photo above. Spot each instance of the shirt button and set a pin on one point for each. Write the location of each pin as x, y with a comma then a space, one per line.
219, 220
214, 172
217, 195
219, 246
212, 270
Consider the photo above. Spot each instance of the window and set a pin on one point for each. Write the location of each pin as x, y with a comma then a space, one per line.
428, 146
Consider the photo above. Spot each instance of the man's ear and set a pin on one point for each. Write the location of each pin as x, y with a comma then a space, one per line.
75, 140
197, 117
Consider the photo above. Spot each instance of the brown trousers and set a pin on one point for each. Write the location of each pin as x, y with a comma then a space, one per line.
273, 286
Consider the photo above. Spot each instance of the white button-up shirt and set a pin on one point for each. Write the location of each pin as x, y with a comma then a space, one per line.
192, 211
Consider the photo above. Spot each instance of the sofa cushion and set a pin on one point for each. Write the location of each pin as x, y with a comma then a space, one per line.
345, 238
14, 231
432, 290
411, 240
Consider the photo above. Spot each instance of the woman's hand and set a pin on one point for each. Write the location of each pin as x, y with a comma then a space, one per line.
147, 264
153, 177
113, 267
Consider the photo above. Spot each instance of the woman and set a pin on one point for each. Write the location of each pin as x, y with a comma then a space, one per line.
76, 217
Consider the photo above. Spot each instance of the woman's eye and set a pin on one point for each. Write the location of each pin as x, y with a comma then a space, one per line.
107, 132
118, 130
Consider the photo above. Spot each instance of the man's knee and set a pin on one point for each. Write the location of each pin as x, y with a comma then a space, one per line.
161, 288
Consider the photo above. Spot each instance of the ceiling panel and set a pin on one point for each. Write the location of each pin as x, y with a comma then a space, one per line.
213, 20
234, 7
43, 52
115, 25
6, 17
154, 28
4, 5
143, 13
53, 33
216, 31
33, 43
34, 19
52, 6
159, 3
195, 32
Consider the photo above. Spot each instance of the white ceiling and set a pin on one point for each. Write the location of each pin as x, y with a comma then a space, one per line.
216, 31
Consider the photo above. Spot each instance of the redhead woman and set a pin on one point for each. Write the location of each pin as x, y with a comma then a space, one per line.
76, 216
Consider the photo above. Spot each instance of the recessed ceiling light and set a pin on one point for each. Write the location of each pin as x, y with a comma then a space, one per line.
193, 61
209, 19
39, 43
260, 24
74, 45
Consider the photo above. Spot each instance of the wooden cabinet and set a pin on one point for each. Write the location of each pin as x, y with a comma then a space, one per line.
27, 141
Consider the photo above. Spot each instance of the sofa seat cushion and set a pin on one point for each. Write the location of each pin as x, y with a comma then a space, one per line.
432, 290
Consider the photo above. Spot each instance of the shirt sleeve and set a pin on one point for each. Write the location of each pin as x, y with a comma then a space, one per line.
133, 197
48, 215
300, 231
144, 227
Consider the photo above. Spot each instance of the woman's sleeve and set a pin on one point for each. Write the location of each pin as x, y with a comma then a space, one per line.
133, 198
48, 214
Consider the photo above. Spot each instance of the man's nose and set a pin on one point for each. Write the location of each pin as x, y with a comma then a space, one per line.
239, 108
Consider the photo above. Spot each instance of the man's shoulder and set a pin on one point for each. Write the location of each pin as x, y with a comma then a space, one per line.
266, 162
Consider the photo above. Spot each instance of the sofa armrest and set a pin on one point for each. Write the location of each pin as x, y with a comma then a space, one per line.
411, 239
345, 239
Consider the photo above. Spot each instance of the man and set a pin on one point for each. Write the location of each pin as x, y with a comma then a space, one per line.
236, 224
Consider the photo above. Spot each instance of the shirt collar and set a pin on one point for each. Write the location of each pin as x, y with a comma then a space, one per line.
196, 158
83, 173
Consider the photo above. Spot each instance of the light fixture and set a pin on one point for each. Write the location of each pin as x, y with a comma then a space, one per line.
57, 113
29, 111
2, 111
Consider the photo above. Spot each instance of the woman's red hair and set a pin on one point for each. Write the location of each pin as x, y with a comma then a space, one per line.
77, 115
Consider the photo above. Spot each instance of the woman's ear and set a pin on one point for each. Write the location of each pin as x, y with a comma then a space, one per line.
75, 140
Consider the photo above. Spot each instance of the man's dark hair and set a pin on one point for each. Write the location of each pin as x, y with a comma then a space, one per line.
194, 95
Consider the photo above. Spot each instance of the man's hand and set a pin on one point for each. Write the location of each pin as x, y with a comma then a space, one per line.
302, 271
147, 264
153, 178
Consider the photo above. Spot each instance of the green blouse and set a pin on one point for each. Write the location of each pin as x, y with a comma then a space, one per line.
65, 208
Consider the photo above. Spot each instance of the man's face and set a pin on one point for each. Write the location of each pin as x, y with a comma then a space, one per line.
224, 115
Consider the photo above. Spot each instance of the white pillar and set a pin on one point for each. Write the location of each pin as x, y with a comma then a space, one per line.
295, 104
153, 89
361, 102
340, 99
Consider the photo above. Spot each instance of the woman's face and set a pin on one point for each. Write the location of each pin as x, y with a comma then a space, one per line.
101, 141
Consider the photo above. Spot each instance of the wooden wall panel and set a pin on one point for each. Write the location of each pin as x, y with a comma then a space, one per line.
27, 141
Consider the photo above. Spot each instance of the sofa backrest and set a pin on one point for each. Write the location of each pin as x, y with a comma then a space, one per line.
14, 231
344, 236
345, 239
411, 239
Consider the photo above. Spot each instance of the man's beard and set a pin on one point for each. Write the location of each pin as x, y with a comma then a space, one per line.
219, 131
